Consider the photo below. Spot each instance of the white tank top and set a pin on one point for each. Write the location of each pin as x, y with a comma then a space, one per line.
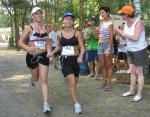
132, 45
122, 41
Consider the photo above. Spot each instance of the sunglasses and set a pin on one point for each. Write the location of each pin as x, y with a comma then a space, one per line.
122, 14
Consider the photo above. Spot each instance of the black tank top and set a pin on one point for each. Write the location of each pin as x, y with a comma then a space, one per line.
73, 41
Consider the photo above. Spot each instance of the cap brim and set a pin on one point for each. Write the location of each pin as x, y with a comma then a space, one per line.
69, 15
120, 12
36, 11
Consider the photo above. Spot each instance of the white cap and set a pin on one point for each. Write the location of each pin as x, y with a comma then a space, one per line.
35, 9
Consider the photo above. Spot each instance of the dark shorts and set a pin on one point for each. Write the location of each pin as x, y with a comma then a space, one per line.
115, 46
56, 54
69, 65
32, 61
91, 55
137, 58
115, 51
122, 56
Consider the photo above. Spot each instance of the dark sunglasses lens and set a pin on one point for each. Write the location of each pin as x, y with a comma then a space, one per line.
122, 14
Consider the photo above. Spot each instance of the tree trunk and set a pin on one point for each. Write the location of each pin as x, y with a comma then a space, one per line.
137, 5
36, 2
130, 2
46, 11
69, 2
22, 18
55, 12
80, 11
11, 39
16, 22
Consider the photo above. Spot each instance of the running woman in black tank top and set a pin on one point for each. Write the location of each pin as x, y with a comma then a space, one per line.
72, 49
38, 51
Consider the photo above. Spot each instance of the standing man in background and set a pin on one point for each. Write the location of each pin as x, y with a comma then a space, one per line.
53, 37
92, 46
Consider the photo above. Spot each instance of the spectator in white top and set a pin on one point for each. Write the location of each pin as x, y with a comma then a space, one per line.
53, 35
122, 51
136, 49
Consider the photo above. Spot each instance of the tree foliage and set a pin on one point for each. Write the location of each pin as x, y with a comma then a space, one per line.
17, 10
4, 20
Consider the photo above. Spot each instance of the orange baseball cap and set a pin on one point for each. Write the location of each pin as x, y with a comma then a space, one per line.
127, 10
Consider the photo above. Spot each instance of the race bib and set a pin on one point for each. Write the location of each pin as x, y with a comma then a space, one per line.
40, 44
67, 50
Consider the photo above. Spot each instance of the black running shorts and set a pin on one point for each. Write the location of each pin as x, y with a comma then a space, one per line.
32, 61
69, 65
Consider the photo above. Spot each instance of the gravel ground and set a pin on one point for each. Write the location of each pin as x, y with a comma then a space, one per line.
18, 100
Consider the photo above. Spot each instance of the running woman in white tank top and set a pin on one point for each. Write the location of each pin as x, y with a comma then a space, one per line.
136, 45
38, 53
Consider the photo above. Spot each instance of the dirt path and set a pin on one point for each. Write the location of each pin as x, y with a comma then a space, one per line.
18, 100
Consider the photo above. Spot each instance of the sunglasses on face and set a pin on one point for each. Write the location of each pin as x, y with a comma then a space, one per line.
122, 14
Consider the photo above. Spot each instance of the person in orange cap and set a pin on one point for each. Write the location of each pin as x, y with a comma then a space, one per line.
127, 10
134, 33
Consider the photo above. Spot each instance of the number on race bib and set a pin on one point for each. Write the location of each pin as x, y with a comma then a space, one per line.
68, 50
40, 44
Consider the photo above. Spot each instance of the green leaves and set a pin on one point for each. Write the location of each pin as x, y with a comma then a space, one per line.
4, 20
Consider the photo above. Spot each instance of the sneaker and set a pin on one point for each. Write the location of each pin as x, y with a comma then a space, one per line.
91, 75
77, 108
129, 71
137, 98
107, 88
46, 108
103, 86
31, 83
127, 94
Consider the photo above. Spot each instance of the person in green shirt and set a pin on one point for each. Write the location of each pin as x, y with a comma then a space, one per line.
92, 46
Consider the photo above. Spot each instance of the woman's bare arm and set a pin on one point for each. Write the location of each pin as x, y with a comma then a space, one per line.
81, 44
111, 33
23, 38
58, 47
137, 32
